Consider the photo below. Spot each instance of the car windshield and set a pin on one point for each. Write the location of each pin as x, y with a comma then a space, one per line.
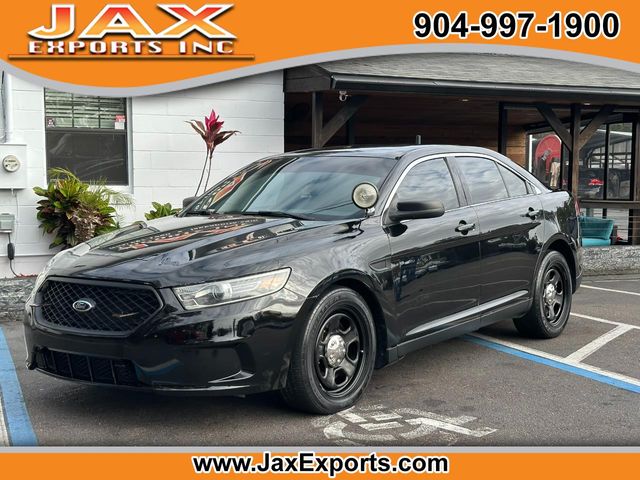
314, 187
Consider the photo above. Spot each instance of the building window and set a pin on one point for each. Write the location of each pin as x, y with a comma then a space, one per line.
87, 135
605, 164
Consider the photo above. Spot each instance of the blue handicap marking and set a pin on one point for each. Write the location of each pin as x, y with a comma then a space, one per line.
18, 424
574, 369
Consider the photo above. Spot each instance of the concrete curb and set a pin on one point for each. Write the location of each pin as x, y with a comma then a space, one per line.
614, 260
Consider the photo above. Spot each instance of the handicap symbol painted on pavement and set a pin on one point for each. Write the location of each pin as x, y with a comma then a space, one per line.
378, 424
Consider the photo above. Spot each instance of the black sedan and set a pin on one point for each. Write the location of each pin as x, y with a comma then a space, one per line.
305, 271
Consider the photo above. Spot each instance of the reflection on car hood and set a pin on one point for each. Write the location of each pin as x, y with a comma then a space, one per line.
177, 250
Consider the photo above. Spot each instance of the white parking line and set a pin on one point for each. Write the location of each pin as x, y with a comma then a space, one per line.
558, 359
604, 320
611, 290
598, 343
4, 434
617, 280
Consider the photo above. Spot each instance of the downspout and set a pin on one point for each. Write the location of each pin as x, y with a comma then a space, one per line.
7, 108
2, 108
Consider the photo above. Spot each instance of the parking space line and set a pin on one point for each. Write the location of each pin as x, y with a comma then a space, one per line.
611, 290
617, 280
598, 343
604, 320
18, 424
550, 360
4, 434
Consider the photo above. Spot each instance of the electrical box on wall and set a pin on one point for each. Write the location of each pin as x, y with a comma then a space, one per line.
7, 222
13, 166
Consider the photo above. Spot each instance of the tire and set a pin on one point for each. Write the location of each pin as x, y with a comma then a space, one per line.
340, 326
550, 309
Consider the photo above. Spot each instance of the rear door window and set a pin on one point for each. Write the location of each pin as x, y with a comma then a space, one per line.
482, 178
515, 185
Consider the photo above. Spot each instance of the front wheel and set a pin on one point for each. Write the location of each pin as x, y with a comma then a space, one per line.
552, 296
334, 355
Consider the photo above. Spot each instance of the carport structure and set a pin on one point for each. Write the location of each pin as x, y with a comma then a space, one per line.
506, 103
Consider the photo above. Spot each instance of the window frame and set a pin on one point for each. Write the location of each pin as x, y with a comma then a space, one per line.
127, 132
458, 180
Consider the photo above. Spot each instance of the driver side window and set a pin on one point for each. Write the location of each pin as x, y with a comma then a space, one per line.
429, 181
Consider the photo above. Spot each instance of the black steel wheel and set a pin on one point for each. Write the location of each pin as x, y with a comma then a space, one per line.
552, 296
338, 352
334, 355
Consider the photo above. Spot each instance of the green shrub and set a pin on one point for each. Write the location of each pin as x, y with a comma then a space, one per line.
76, 211
160, 210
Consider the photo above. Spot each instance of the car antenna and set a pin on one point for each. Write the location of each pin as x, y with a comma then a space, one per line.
418, 139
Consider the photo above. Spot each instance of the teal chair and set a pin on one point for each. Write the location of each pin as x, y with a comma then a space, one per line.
596, 232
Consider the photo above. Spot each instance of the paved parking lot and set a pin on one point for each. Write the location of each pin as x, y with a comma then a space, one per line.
489, 388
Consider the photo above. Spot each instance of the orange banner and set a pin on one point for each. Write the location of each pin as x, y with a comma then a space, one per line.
497, 466
140, 43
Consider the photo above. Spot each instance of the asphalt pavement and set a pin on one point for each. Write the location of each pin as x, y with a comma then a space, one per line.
489, 388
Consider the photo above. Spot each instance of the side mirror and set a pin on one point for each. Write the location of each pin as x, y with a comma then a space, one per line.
415, 209
188, 201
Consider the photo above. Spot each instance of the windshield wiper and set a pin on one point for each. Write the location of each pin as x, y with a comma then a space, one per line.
276, 213
201, 212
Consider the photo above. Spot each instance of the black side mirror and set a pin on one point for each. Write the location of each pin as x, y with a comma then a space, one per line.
415, 209
188, 201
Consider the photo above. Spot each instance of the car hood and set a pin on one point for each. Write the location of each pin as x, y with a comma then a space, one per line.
174, 251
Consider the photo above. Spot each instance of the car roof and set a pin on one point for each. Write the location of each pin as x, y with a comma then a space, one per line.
397, 151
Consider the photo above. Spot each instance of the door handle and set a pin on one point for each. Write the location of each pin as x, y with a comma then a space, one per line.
464, 227
533, 214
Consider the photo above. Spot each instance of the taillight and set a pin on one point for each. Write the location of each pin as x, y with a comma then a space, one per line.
595, 182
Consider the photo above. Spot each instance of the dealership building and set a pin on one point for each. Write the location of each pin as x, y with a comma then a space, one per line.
574, 125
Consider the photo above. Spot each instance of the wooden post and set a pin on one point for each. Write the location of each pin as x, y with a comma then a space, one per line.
503, 124
634, 215
317, 119
322, 132
574, 150
351, 132
348, 110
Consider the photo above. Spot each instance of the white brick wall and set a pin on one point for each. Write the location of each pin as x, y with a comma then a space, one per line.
167, 155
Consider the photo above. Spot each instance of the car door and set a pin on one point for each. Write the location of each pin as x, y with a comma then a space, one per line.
434, 260
510, 223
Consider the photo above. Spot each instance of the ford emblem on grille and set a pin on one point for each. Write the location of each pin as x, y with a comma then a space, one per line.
83, 305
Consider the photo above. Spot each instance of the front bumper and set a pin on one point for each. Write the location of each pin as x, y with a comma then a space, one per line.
231, 349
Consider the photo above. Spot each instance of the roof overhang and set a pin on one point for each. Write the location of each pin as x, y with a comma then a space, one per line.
388, 78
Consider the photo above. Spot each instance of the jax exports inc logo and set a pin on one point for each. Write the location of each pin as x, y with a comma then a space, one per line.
120, 31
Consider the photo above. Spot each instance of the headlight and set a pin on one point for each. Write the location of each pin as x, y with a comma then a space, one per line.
229, 291
43, 274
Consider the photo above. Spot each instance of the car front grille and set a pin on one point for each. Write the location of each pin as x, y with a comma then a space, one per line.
86, 368
115, 309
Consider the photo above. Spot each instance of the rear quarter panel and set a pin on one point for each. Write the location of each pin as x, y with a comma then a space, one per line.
561, 223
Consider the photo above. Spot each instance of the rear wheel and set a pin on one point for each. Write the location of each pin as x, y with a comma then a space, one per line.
551, 306
334, 355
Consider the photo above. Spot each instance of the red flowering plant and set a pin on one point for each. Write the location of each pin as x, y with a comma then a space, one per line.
211, 132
